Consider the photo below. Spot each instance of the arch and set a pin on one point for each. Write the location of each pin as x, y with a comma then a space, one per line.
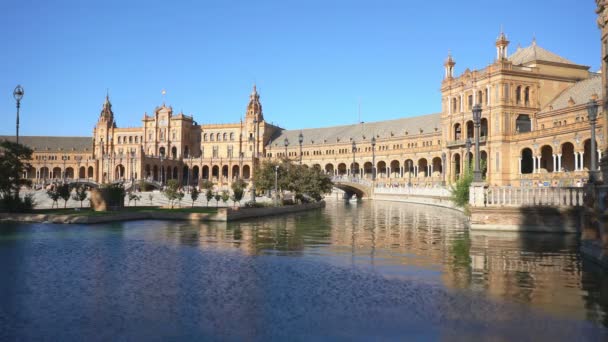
204, 136
195, 175
215, 172
316, 166
56, 173
44, 172
231, 136
211, 137
568, 156
457, 132
82, 172
546, 158
119, 171
155, 173
483, 127
69, 173
354, 169
456, 164
225, 136
174, 152
381, 170
587, 154
235, 171
225, 170
175, 176
483, 164
395, 169
90, 172
527, 162
341, 169
527, 96
246, 172
523, 123
470, 130
518, 95
479, 97
437, 166
186, 175
205, 172
329, 169
368, 170
161, 151
422, 167
218, 137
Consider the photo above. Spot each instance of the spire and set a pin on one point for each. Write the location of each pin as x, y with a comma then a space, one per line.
106, 111
501, 45
449, 65
254, 108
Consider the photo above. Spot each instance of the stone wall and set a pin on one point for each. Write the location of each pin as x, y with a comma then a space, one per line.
527, 219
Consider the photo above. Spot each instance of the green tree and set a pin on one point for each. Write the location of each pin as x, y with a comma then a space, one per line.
180, 197
64, 193
225, 197
460, 189
238, 190
208, 195
194, 195
171, 191
54, 196
206, 184
217, 199
13, 163
80, 194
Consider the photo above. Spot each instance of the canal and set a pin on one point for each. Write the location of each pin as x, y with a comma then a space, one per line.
349, 272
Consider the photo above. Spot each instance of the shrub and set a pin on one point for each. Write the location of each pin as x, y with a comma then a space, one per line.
17, 204
460, 190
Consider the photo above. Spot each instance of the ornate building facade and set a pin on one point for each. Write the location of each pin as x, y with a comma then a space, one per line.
534, 131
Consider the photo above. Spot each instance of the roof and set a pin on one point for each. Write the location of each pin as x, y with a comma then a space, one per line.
382, 129
54, 144
580, 92
536, 53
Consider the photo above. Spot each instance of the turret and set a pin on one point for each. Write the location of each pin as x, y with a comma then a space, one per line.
254, 108
501, 47
449, 66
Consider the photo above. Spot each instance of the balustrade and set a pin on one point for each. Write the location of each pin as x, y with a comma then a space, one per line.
504, 196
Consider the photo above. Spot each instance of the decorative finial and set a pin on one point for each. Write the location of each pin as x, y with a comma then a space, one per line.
534, 39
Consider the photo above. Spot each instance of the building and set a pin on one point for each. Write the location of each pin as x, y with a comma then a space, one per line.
534, 131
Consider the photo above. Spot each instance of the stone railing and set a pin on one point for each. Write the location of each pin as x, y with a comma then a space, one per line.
502, 196
414, 191
347, 179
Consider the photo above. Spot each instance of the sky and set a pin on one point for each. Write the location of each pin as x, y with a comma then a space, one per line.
316, 63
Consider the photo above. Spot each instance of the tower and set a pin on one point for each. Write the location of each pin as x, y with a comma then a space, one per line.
449, 66
103, 129
501, 46
254, 108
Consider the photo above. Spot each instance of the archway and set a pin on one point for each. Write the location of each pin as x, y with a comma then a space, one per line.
546, 158
568, 156
56, 173
329, 169
470, 130
483, 164
225, 172
457, 132
174, 152
215, 172
483, 128
456, 165
205, 172
523, 123
354, 171
368, 170
90, 172
246, 172
161, 151
527, 162
341, 169
422, 167
437, 167
119, 172
155, 173
235, 172
185, 175
381, 169
395, 169
44, 172
69, 173
82, 172
195, 175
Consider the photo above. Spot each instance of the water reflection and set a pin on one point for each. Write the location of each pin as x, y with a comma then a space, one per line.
181, 266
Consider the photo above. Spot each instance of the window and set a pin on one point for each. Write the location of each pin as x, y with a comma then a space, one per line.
230, 151
231, 136
215, 151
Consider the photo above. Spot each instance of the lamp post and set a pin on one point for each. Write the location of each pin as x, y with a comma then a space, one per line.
301, 140
18, 95
592, 108
352, 169
477, 123
276, 186
286, 143
373, 159
467, 159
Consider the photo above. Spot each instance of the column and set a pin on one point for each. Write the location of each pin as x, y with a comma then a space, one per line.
575, 161
431, 170
401, 171
519, 166
534, 164
554, 162
538, 165
559, 163
461, 103
581, 160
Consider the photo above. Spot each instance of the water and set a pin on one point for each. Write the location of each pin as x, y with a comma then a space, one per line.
349, 272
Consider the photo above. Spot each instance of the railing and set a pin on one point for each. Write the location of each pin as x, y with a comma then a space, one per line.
543, 196
347, 179
416, 191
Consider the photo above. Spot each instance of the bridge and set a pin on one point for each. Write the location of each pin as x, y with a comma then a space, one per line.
353, 186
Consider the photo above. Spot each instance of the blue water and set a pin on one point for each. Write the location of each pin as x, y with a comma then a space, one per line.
372, 271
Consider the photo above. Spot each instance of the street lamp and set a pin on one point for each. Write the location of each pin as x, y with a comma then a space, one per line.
477, 123
373, 158
286, 143
592, 108
18, 95
276, 187
301, 140
467, 159
352, 169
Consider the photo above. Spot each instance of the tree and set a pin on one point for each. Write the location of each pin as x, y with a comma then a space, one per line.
134, 197
238, 190
64, 193
180, 196
194, 195
80, 194
225, 197
460, 190
171, 191
53, 195
208, 195
13, 163
206, 184
217, 199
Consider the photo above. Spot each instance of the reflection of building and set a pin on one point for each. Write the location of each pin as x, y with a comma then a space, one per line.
534, 128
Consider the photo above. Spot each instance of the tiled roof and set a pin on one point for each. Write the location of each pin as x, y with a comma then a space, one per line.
54, 144
581, 92
536, 53
382, 129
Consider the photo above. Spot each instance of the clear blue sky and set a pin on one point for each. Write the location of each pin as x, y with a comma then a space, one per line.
313, 60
